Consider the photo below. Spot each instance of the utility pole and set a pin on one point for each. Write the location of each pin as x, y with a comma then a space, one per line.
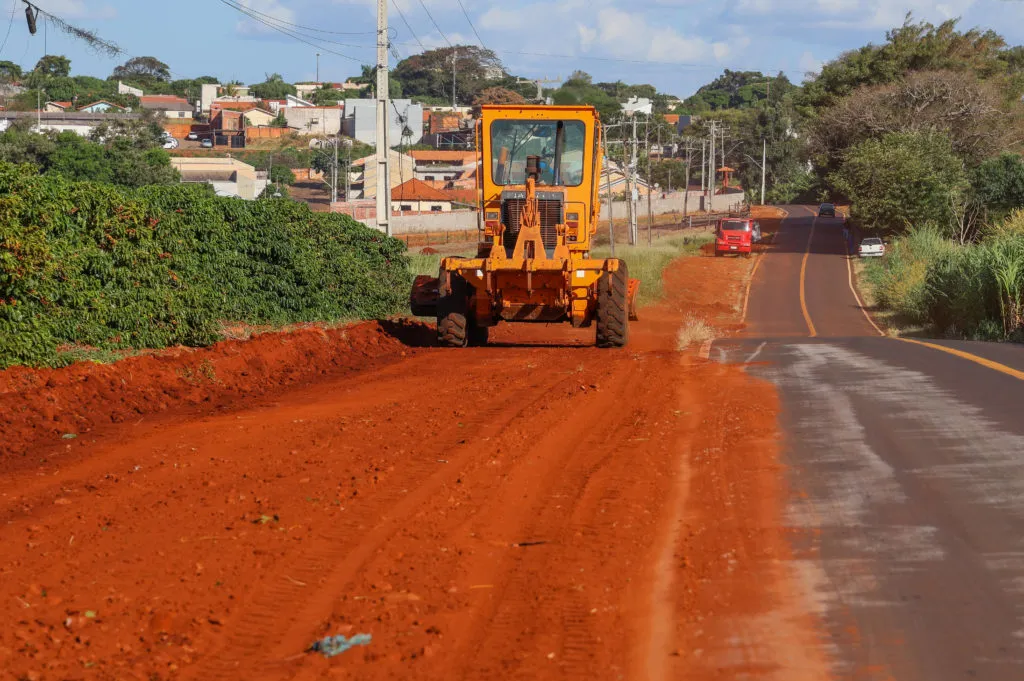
455, 54
317, 68
608, 188
334, 174
764, 160
539, 82
650, 185
703, 165
383, 120
633, 235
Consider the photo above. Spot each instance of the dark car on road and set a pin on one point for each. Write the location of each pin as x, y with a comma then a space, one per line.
826, 210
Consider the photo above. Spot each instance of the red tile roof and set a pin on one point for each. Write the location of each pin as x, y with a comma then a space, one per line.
418, 190
464, 196
672, 118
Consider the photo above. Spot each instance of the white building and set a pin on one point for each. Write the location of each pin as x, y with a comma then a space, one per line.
638, 105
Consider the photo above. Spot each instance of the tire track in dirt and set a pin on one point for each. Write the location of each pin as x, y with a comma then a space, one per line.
262, 627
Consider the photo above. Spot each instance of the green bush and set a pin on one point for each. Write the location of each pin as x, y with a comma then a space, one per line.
901, 180
104, 266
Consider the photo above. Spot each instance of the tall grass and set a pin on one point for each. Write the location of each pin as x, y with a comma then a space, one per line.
974, 291
647, 263
899, 281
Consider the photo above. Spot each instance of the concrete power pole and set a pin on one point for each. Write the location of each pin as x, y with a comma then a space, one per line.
334, 174
455, 56
539, 82
764, 159
383, 171
632, 188
650, 184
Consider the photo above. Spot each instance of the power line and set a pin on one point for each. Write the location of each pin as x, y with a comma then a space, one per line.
304, 28
406, 22
290, 34
14, 8
424, 6
466, 14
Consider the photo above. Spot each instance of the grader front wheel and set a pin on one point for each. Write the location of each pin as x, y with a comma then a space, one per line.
452, 323
612, 308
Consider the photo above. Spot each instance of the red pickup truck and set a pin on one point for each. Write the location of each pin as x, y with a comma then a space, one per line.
734, 235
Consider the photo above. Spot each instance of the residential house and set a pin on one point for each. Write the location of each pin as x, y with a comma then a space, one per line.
463, 198
441, 121
405, 121
275, 106
315, 120
363, 175
123, 89
447, 168
233, 104
613, 176
102, 106
210, 92
228, 176
305, 90
57, 107
62, 121
258, 117
416, 196
170, 106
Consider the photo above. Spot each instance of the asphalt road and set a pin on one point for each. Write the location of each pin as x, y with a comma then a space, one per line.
906, 472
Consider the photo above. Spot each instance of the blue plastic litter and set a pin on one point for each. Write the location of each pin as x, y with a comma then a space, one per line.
336, 645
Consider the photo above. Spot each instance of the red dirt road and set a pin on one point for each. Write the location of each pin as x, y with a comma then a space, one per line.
515, 511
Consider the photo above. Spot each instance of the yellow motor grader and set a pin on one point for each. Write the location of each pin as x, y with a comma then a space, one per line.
539, 174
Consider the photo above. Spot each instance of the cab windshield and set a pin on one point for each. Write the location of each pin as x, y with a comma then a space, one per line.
736, 226
559, 144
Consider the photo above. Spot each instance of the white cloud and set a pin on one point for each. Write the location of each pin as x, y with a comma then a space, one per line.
630, 36
808, 63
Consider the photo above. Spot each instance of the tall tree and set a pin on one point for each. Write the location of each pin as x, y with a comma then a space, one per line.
431, 73
274, 87
9, 72
143, 69
53, 66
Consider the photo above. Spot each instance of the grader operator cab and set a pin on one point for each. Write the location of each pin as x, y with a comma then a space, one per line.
539, 175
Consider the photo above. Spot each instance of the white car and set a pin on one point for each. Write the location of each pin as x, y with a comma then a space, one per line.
192, 136
872, 247
170, 143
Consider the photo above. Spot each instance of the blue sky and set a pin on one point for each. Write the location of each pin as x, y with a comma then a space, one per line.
676, 45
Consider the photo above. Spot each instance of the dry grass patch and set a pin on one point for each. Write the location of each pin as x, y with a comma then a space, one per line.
695, 331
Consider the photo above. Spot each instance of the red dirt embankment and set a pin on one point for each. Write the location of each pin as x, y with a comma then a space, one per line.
537, 509
46, 405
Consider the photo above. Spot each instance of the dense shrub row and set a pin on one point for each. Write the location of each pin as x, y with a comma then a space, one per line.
98, 265
975, 290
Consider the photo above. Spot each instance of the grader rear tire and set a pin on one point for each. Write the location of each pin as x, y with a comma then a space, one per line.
612, 313
452, 324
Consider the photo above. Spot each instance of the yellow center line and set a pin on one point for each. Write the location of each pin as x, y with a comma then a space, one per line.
995, 366
803, 282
